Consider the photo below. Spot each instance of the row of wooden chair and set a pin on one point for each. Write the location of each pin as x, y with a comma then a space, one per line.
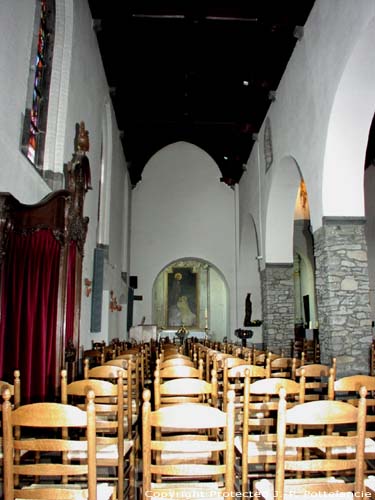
213, 438
215, 397
263, 444
37, 441
115, 389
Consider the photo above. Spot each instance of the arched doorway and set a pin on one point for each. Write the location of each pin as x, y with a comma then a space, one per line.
193, 293
304, 268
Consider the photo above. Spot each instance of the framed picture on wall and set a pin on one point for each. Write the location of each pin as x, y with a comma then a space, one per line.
182, 302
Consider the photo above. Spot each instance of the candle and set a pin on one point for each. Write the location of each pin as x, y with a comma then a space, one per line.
206, 319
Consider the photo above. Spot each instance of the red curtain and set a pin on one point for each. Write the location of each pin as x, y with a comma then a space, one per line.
71, 289
30, 280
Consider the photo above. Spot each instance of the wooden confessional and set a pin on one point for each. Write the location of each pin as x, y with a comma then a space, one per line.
41, 252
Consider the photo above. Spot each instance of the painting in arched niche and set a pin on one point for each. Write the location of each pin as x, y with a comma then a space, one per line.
193, 293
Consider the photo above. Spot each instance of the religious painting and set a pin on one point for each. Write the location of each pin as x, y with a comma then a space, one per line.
182, 297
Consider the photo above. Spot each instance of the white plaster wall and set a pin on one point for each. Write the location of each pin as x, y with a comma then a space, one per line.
350, 122
178, 210
300, 118
370, 231
86, 100
17, 176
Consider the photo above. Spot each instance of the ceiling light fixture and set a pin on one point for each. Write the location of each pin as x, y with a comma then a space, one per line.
298, 32
159, 16
97, 25
272, 95
232, 18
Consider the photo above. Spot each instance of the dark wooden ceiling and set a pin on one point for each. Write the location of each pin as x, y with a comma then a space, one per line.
194, 70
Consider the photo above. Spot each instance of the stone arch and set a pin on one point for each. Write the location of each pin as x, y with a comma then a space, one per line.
248, 280
349, 125
280, 212
340, 244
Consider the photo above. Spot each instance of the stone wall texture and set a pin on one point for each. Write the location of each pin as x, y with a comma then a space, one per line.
342, 287
278, 307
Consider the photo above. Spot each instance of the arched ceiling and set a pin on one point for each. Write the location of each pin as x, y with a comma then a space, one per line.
199, 71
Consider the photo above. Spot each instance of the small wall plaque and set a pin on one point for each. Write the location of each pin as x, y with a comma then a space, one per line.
268, 152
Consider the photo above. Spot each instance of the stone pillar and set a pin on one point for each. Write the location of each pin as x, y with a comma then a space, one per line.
278, 307
342, 286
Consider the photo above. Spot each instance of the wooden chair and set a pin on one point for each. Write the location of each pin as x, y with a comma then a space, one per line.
180, 372
316, 379
57, 478
311, 351
14, 388
15, 400
256, 446
372, 358
175, 356
347, 389
167, 350
284, 367
174, 362
131, 394
137, 360
184, 390
93, 357
137, 373
234, 379
113, 450
265, 357
314, 475
227, 364
215, 361
206, 478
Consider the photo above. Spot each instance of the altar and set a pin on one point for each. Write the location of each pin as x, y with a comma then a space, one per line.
143, 333
198, 334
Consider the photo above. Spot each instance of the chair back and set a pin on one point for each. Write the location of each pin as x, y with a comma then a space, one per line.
317, 377
14, 389
45, 423
314, 468
174, 362
257, 443
234, 377
181, 371
185, 390
284, 367
347, 389
188, 478
109, 411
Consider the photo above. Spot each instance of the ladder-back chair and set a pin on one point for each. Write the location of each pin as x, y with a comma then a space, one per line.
184, 390
312, 474
113, 449
347, 389
46, 473
317, 376
212, 476
256, 445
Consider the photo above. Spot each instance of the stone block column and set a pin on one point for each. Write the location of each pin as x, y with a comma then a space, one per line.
342, 286
278, 307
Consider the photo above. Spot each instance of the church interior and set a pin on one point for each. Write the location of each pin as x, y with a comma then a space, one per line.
180, 189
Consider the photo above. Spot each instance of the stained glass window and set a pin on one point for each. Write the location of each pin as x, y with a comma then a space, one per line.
36, 114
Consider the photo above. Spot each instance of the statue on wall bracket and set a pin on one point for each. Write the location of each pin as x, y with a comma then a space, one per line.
248, 310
